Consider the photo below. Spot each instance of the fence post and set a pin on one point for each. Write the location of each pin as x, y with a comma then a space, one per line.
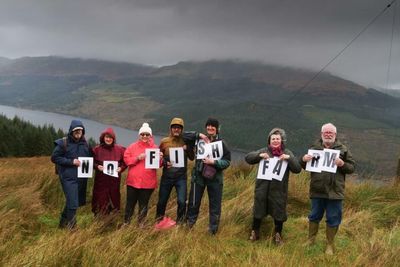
398, 172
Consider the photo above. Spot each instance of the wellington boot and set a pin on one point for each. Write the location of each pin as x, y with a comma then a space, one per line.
254, 235
330, 238
277, 238
312, 233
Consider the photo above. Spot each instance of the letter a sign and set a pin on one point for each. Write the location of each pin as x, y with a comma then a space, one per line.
85, 170
272, 168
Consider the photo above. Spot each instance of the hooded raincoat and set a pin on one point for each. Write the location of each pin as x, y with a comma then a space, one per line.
106, 188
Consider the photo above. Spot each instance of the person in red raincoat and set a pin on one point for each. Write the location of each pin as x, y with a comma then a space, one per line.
106, 193
140, 182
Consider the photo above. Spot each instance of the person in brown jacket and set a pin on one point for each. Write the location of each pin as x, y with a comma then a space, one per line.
174, 176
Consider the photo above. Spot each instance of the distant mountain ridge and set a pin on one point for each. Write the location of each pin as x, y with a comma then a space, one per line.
59, 66
249, 98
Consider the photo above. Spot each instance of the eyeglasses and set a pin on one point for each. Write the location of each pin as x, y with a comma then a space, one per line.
144, 134
176, 127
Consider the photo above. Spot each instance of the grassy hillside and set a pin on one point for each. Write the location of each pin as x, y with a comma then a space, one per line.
248, 98
31, 199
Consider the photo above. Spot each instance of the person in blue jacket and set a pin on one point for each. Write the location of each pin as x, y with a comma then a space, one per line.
65, 156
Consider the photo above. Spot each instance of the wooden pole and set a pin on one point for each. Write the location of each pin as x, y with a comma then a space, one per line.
398, 172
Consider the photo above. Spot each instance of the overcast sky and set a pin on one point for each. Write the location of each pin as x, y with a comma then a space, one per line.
299, 33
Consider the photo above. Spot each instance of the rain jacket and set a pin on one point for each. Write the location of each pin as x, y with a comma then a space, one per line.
165, 145
67, 171
138, 176
220, 164
270, 197
65, 158
331, 185
106, 188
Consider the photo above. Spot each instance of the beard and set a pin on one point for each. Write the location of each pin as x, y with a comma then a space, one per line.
328, 141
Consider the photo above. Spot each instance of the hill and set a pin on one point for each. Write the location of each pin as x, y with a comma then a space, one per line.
31, 200
59, 66
248, 98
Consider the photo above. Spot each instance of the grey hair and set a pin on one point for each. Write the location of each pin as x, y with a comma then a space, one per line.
328, 125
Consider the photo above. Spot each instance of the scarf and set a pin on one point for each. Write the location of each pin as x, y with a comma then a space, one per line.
276, 151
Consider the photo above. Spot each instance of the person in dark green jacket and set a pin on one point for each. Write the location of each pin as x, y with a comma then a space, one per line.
270, 196
327, 189
199, 182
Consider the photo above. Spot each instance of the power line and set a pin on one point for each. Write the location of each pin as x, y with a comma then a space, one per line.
390, 50
297, 92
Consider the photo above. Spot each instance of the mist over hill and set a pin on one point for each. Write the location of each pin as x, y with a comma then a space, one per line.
249, 98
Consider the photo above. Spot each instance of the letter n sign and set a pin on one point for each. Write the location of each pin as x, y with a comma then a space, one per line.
85, 170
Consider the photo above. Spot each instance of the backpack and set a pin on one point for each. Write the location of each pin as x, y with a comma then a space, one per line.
65, 143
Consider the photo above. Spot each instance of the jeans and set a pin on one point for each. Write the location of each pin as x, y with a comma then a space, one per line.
333, 208
134, 195
166, 186
214, 191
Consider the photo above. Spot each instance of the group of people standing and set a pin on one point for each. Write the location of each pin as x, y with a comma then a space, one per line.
270, 195
141, 181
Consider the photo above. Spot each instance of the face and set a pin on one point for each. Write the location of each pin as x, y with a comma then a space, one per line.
145, 137
275, 140
211, 130
77, 134
108, 139
328, 136
176, 130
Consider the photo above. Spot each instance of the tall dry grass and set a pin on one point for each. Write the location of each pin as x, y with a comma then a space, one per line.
31, 199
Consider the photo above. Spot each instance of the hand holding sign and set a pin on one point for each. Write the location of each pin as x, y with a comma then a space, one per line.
110, 168
176, 157
272, 168
322, 160
85, 169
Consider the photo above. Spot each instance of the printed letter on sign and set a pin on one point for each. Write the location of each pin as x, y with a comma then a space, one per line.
152, 160
85, 170
176, 157
110, 168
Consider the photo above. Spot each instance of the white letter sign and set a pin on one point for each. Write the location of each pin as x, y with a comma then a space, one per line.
323, 160
201, 150
85, 170
272, 168
152, 160
110, 168
314, 165
330, 155
176, 157
214, 150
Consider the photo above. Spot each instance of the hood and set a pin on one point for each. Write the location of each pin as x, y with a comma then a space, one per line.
176, 121
108, 131
279, 131
74, 124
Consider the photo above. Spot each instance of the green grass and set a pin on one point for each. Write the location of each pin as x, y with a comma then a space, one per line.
29, 234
